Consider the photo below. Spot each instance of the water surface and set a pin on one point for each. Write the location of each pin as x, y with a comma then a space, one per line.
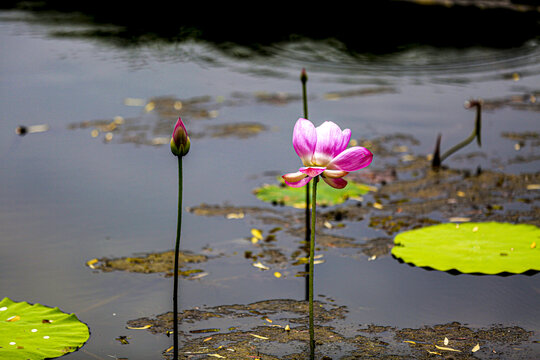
68, 197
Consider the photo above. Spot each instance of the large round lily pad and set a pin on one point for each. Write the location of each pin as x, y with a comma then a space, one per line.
38, 332
488, 248
296, 197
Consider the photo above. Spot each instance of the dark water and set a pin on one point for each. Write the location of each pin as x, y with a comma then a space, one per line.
67, 197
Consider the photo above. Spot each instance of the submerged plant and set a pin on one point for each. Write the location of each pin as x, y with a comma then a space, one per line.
180, 145
324, 153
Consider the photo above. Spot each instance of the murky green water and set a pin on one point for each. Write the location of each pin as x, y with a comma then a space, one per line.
68, 197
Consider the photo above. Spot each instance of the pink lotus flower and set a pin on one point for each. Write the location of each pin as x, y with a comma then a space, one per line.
180, 140
324, 152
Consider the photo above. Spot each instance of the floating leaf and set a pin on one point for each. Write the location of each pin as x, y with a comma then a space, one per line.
259, 336
257, 233
90, 263
140, 327
123, 340
277, 274
40, 331
446, 348
296, 197
489, 248
476, 348
445, 341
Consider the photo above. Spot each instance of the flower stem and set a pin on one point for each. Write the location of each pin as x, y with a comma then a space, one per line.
311, 268
303, 79
176, 254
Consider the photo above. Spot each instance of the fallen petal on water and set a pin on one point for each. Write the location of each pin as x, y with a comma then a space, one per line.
235, 216
13, 318
259, 265
198, 276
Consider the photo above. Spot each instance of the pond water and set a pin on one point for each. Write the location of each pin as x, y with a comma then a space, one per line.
69, 195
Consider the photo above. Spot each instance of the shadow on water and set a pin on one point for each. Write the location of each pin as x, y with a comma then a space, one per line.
377, 27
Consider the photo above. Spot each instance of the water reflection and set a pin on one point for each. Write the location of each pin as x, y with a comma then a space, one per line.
376, 27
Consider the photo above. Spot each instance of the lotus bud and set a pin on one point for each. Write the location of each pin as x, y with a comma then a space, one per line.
180, 139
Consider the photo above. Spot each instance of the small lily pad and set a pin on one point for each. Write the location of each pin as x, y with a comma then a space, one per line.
487, 248
326, 195
38, 332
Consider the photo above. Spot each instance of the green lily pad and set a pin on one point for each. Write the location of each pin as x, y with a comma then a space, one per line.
487, 248
38, 332
296, 197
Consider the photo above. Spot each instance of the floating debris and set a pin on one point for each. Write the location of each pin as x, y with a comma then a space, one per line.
23, 130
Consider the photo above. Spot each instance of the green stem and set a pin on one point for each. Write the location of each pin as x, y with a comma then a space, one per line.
311, 268
303, 79
176, 254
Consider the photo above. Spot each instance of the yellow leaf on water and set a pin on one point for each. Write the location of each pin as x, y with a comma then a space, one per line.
533, 245
207, 339
150, 106
254, 240
378, 206
14, 318
410, 342
460, 193
287, 328
259, 336
434, 352
476, 348
445, 341
139, 328
217, 356
90, 263
446, 348
257, 233
277, 274
169, 349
